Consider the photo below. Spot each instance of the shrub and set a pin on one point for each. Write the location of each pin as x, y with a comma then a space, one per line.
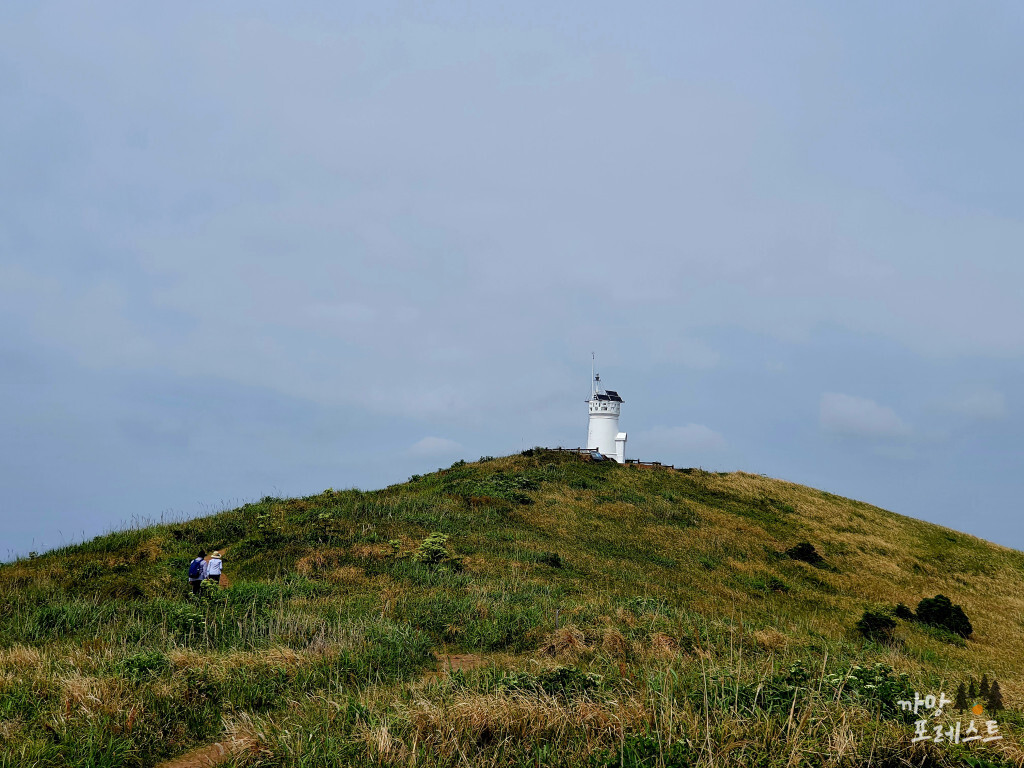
876, 625
878, 686
939, 611
434, 551
146, 664
182, 621
806, 552
777, 693
903, 612
550, 558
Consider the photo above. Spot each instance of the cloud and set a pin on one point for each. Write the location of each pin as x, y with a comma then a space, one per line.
859, 417
985, 405
674, 440
435, 446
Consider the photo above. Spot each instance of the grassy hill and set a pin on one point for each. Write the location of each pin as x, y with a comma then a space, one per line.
578, 614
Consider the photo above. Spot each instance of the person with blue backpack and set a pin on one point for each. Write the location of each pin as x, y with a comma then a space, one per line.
197, 572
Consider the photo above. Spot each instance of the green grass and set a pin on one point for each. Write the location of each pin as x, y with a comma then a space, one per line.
612, 616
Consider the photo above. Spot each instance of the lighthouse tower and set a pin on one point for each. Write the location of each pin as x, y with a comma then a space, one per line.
603, 435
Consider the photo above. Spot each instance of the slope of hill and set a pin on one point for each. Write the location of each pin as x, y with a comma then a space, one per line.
578, 613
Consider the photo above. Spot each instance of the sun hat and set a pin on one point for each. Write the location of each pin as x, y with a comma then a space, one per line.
216, 553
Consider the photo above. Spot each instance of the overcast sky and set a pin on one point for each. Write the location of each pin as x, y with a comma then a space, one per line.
247, 249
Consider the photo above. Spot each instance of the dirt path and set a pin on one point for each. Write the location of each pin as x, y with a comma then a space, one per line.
460, 661
210, 755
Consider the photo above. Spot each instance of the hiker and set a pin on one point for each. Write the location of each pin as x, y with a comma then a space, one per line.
214, 567
197, 572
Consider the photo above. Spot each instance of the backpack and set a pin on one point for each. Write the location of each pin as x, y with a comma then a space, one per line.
195, 569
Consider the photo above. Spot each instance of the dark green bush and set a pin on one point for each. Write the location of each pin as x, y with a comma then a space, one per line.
550, 558
903, 612
876, 625
939, 611
806, 552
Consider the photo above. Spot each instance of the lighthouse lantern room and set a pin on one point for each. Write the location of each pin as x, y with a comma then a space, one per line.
603, 435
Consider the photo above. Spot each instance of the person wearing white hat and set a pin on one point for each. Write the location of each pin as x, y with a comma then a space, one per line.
214, 567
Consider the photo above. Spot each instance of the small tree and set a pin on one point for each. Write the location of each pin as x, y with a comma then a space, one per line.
972, 691
983, 689
960, 703
995, 697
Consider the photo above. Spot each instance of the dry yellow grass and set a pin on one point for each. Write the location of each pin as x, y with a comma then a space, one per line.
454, 727
20, 657
666, 593
566, 643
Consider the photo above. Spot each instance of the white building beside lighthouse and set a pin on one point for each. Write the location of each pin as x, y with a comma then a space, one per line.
603, 434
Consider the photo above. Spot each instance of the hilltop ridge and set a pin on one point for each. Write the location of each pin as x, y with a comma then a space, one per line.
602, 606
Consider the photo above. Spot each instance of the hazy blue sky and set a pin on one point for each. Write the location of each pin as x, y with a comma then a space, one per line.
247, 249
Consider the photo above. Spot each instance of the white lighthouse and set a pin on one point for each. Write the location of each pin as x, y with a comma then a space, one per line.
603, 434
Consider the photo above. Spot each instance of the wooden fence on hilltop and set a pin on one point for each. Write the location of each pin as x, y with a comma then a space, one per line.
587, 454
